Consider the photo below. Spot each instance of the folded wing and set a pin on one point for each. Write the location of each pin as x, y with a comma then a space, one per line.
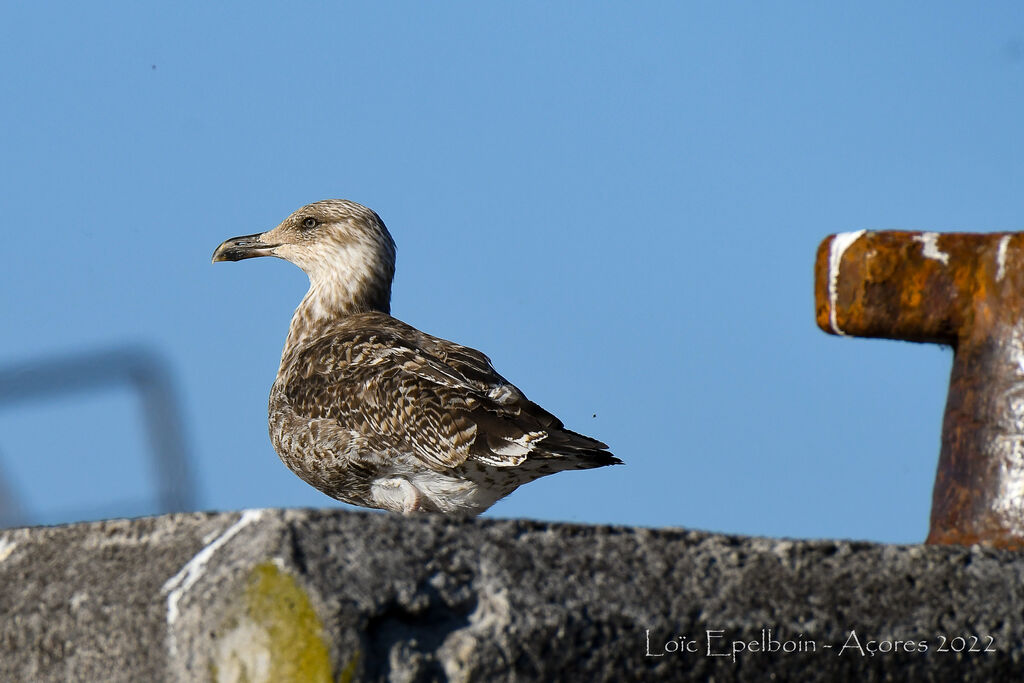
440, 401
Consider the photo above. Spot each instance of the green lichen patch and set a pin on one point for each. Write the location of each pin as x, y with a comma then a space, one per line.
276, 637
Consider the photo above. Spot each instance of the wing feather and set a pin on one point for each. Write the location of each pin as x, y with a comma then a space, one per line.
440, 401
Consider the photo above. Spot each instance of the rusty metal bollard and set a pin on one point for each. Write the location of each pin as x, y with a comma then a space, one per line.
965, 290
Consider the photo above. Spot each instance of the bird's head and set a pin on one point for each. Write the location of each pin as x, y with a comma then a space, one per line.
343, 247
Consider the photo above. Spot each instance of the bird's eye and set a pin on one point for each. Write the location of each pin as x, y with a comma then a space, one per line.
309, 223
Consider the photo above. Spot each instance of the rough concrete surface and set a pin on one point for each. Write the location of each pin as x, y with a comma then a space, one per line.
277, 595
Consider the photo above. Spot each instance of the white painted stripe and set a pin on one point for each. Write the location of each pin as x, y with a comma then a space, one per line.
930, 247
193, 570
6, 548
1001, 258
840, 243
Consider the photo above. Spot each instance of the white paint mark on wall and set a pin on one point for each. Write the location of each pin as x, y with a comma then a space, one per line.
840, 243
193, 570
6, 548
930, 247
1001, 258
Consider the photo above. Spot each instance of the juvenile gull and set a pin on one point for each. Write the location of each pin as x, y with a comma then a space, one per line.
374, 412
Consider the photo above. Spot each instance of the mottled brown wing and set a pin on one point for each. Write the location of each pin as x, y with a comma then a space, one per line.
390, 384
529, 416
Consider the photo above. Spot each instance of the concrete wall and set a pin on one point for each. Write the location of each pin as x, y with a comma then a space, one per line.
276, 595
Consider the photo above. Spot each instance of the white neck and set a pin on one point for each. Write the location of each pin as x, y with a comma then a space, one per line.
333, 294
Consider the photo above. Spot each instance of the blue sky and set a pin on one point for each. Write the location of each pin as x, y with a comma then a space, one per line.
618, 202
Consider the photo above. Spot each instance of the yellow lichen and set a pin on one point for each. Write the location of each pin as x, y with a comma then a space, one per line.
348, 674
278, 635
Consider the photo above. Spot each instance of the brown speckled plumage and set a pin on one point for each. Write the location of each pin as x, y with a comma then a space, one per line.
374, 412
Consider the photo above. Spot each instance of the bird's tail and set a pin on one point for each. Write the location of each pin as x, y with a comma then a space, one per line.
583, 451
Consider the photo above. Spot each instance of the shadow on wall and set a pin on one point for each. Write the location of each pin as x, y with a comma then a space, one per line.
139, 369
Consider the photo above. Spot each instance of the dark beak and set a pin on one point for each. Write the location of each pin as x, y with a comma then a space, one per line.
246, 246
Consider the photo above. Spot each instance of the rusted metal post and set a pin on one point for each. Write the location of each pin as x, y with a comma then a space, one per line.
965, 290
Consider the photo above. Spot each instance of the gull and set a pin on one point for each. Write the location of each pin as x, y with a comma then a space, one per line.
376, 413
